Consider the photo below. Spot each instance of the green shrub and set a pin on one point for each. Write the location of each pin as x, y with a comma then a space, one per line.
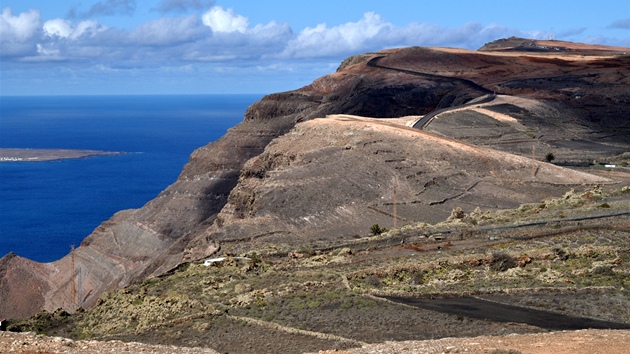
377, 230
550, 157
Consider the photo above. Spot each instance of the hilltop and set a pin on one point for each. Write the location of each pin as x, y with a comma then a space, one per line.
424, 141
516, 44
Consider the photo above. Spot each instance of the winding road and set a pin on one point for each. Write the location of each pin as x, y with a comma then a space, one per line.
494, 311
489, 95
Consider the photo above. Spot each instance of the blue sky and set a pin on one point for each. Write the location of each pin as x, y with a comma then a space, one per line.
67, 47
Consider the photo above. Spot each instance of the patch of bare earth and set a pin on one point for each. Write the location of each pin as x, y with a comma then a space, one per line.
565, 342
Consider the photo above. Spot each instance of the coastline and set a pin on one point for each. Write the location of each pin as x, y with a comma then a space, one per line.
40, 155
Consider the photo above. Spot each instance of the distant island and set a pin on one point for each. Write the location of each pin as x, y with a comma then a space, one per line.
39, 155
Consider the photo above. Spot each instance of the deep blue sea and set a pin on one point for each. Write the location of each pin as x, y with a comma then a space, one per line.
45, 207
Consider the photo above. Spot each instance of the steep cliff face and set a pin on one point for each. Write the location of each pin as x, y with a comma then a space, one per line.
326, 180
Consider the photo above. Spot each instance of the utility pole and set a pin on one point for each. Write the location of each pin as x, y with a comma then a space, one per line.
534, 160
74, 285
395, 200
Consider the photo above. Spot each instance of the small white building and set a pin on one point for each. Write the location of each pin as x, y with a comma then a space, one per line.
208, 262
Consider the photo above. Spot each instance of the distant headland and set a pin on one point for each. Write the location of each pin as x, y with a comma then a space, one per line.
39, 155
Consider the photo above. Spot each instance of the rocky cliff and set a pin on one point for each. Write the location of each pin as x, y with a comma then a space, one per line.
307, 168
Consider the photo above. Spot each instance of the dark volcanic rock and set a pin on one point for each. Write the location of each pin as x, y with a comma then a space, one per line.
322, 182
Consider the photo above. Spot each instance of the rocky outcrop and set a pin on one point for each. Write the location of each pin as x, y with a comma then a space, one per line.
281, 177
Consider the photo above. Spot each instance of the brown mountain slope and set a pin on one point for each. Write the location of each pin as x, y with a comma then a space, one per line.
330, 179
213, 193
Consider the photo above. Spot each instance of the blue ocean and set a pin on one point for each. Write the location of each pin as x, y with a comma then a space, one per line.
46, 207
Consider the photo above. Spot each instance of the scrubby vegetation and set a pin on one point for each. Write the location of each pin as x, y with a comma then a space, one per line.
550, 255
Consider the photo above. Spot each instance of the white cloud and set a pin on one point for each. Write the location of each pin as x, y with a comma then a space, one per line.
17, 33
20, 27
65, 29
221, 20
373, 33
218, 35
223, 35
321, 41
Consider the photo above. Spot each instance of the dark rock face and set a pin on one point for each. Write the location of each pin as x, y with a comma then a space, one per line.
320, 182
